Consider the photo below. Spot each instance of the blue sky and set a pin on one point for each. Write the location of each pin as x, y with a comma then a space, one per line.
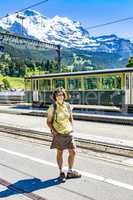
88, 12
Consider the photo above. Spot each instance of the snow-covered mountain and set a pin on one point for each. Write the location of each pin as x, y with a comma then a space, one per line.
64, 31
114, 44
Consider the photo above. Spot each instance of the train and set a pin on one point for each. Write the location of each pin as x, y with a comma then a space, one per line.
110, 87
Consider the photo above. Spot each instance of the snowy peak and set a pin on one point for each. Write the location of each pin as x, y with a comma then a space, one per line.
63, 31
57, 30
114, 44
105, 38
70, 26
31, 13
67, 32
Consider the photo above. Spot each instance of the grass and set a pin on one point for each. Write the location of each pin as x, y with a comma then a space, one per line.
15, 82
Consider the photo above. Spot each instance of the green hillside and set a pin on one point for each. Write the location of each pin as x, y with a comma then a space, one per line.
14, 82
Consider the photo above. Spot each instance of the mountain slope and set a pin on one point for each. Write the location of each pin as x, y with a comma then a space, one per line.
106, 51
57, 30
63, 31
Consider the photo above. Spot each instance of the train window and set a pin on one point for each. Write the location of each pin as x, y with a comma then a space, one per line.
47, 85
74, 84
41, 85
58, 83
111, 82
90, 83
118, 82
107, 83
44, 85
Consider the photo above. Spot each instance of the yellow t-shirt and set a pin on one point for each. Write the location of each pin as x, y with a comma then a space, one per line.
61, 121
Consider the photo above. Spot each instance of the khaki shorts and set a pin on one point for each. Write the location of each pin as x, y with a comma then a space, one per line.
62, 142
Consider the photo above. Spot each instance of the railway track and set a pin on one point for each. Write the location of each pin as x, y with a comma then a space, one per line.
89, 144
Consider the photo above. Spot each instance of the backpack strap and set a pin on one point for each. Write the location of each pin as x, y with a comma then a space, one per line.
54, 110
68, 108
70, 111
55, 107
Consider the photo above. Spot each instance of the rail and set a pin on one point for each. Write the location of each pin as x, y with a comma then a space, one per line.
88, 144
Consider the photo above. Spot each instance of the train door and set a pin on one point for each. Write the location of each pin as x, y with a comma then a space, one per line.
35, 90
128, 88
131, 89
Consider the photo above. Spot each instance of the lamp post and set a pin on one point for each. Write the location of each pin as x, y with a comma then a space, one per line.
59, 58
22, 19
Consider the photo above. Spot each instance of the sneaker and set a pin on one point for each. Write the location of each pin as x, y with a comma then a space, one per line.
62, 177
73, 174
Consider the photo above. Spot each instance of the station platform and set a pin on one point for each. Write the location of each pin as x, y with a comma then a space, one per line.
97, 116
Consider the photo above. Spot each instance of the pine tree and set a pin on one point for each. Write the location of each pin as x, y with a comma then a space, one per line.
130, 62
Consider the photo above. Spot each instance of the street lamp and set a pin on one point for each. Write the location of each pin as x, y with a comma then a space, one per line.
59, 57
22, 19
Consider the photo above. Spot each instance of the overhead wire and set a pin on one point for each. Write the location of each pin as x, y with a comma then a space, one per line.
109, 23
31, 6
23, 9
90, 27
12, 36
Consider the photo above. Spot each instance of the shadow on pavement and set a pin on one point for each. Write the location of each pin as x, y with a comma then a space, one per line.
28, 186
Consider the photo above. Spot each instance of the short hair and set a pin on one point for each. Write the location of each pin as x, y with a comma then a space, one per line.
58, 90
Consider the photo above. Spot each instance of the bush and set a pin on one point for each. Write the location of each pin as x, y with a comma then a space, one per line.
6, 83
